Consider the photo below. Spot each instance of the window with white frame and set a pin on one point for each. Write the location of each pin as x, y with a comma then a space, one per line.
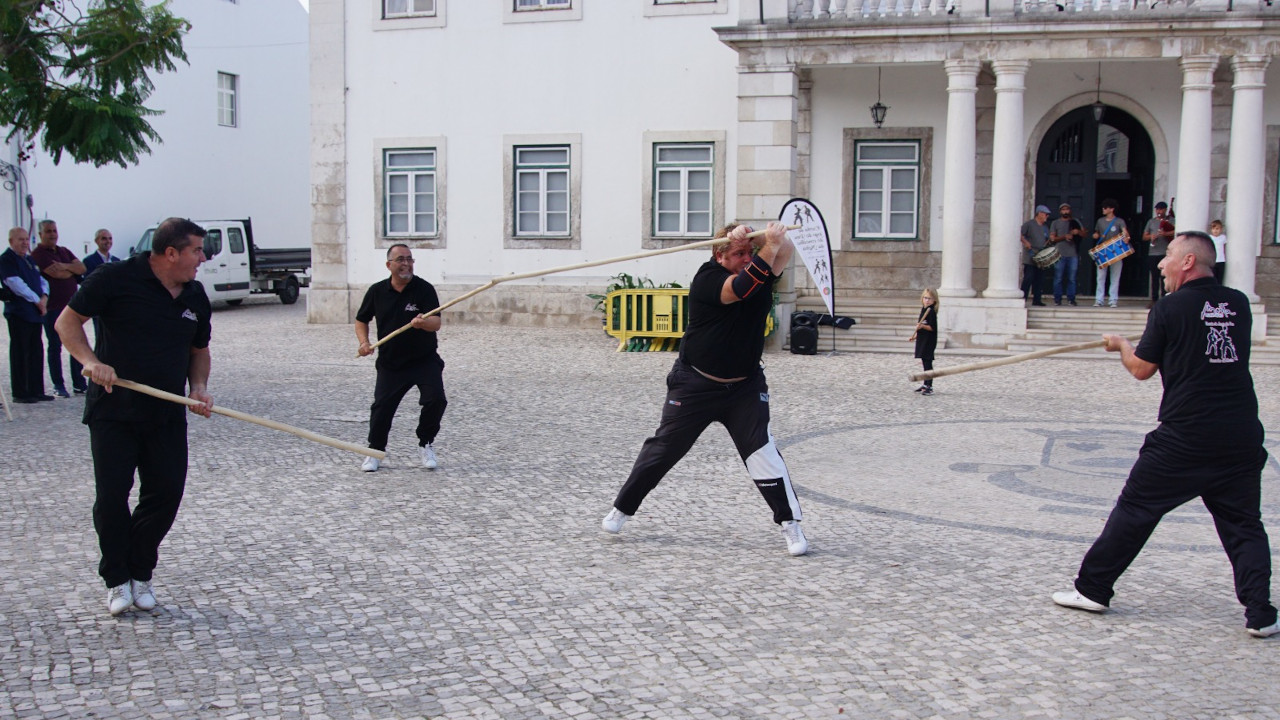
522, 5
227, 87
683, 189
409, 192
659, 8
886, 189
542, 191
408, 8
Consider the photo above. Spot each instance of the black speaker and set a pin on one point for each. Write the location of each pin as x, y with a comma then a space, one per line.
804, 340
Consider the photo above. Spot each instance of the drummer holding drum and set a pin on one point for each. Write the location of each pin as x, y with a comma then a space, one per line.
1035, 239
1112, 247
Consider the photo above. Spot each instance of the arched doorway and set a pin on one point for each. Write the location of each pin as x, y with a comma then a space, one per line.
1083, 161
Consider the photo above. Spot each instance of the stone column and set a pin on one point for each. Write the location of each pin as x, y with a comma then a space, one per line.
1007, 169
329, 300
958, 179
1245, 173
1195, 141
768, 117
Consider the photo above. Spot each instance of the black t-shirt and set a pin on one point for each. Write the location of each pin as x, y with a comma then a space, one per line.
724, 340
927, 340
147, 336
393, 310
1199, 336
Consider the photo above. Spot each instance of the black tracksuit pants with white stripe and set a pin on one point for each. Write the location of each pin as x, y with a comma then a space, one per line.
694, 402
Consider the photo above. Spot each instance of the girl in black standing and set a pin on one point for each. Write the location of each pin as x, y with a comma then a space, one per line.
926, 335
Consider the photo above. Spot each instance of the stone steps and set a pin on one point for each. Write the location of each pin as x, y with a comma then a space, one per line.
884, 323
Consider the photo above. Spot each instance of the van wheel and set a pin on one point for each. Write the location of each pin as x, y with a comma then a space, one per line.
289, 291
235, 302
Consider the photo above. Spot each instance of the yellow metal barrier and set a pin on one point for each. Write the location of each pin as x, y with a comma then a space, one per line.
652, 319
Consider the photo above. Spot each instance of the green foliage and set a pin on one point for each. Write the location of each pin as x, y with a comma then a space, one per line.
623, 281
77, 79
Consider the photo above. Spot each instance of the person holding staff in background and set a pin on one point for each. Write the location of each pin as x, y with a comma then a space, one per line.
1208, 443
718, 378
155, 330
406, 360
926, 335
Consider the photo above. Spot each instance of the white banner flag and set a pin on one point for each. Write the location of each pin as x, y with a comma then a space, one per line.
812, 244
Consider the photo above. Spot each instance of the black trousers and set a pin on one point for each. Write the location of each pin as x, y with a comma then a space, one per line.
25, 364
390, 389
1167, 475
693, 403
1032, 279
927, 364
130, 541
78, 381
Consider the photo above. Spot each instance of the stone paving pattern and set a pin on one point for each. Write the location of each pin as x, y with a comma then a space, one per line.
295, 586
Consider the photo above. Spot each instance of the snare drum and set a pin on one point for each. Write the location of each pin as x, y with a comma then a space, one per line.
1111, 251
1046, 257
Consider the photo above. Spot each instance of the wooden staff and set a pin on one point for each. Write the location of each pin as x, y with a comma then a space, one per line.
565, 268
983, 365
306, 434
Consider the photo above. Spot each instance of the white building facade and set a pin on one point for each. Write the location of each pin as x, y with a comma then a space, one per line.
511, 135
235, 139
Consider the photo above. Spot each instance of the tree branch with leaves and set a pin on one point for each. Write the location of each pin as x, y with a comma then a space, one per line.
76, 79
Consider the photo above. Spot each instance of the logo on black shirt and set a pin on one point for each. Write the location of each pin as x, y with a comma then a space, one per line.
411, 307
190, 316
1219, 347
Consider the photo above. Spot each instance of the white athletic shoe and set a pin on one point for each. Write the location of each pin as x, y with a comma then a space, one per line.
429, 457
1073, 599
144, 598
1265, 632
797, 545
613, 522
120, 598
370, 464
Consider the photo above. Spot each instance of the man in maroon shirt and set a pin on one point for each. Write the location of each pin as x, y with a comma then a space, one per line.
63, 270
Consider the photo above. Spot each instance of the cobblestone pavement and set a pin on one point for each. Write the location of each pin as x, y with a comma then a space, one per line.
295, 586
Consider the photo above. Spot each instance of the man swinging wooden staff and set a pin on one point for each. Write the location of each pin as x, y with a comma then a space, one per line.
411, 360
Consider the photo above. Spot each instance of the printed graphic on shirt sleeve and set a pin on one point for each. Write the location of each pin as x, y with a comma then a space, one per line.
1219, 347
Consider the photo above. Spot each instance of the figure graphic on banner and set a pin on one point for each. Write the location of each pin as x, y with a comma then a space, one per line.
797, 220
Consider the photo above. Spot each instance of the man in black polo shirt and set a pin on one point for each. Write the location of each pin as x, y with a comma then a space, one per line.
406, 360
155, 330
718, 378
1208, 443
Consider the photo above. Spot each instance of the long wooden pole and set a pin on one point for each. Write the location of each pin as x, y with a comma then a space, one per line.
985, 364
564, 268
306, 434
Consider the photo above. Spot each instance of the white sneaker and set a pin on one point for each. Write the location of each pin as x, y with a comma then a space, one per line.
797, 545
429, 457
120, 598
1073, 599
1267, 631
370, 464
613, 522
144, 598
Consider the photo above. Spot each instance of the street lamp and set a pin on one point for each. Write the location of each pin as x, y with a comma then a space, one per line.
879, 110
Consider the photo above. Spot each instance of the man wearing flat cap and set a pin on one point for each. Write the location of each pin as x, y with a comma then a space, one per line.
1035, 236
1064, 234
